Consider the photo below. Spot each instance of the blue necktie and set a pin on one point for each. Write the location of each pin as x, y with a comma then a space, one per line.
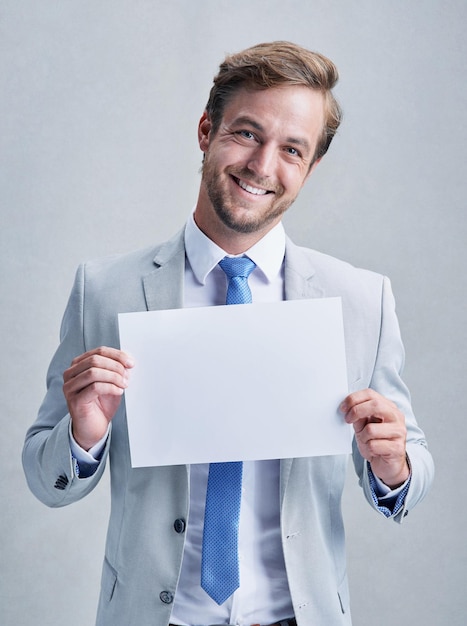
219, 564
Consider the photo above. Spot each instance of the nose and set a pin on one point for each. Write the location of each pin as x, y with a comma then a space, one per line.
262, 161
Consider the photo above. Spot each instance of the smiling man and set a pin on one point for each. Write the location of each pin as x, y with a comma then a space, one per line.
258, 542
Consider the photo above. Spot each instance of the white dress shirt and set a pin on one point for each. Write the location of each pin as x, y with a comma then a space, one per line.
263, 595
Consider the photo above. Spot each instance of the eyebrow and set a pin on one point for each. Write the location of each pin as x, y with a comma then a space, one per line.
297, 141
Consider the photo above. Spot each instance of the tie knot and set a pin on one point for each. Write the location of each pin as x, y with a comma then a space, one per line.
237, 266
237, 270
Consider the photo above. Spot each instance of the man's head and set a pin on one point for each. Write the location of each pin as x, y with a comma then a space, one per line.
277, 64
270, 118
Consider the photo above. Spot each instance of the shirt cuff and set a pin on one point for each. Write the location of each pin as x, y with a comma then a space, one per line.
383, 491
86, 462
388, 501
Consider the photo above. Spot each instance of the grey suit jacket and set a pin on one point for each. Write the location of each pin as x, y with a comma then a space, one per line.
150, 506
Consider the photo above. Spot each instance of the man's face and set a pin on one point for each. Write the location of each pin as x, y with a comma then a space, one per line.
259, 158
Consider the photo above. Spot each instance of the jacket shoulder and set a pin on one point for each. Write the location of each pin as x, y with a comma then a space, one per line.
336, 276
119, 267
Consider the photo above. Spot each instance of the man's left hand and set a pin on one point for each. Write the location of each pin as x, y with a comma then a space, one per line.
380, 433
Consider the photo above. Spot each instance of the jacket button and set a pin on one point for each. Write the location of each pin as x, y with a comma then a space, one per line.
61, 482
166, 597
179, 525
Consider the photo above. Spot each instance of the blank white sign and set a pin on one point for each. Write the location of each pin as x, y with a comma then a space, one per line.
238, 382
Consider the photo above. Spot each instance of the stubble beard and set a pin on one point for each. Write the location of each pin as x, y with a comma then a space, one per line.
251, 220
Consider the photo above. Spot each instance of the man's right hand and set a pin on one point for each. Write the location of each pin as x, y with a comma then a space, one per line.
93, 386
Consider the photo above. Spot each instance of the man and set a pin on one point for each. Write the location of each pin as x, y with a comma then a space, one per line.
269, 120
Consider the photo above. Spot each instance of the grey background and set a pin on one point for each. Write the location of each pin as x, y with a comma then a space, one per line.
98, 113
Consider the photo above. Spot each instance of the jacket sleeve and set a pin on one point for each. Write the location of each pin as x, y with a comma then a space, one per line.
47, 460
387, 381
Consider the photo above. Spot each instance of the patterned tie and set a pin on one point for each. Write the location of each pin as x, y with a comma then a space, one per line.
219, 564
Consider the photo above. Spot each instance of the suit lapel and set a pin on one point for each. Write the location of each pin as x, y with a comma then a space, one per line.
163, 287
300, 279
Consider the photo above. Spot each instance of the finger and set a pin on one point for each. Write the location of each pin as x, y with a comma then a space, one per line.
358, 397
93, 392
111, 353
382, 449
75, 383
375, 409
385, 431
99, 359
370, 410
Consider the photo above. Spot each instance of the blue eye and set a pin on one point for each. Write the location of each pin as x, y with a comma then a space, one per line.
247, 134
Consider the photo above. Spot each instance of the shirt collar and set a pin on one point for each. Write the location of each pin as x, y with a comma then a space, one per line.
203, 254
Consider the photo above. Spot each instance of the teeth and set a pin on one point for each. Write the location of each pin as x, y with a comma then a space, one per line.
254, 190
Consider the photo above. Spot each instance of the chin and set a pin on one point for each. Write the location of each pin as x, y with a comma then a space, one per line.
236, 223
247, 223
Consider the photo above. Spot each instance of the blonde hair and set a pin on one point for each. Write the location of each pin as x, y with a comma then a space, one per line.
275, 64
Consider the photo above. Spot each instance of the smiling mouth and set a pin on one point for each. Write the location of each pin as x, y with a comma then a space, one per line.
256, 191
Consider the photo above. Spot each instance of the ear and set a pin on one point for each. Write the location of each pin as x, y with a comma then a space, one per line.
204, 128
